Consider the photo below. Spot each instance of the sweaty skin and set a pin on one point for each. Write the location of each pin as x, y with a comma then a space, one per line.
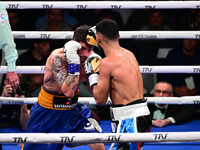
56, 78
120, 76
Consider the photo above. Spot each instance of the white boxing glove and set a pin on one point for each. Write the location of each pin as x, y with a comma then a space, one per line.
73, 59
92, 68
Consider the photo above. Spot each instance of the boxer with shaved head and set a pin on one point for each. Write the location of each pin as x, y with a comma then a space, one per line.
118, 76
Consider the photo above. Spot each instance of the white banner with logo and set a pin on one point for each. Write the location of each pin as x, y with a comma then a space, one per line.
91, 101
123, 34
143, 69
99, 137
102, 4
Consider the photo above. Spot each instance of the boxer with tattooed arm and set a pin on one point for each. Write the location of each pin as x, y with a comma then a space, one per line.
58, 109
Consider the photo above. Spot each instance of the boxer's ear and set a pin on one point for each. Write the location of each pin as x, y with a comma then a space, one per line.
98, 38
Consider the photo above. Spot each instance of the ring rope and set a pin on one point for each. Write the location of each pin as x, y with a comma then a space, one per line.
123, 34
103, 5
100, 137
105, 137
91, 101
143, 69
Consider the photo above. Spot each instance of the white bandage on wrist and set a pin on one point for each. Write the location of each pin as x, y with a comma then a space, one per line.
93, 79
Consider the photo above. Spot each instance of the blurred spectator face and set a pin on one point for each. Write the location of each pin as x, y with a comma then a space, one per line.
43, 48
156, 19
55, 16
13, 19
162, 90
189, 45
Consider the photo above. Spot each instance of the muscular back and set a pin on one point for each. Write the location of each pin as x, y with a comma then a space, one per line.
126, 83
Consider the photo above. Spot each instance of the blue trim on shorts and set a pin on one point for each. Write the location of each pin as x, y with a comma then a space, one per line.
58, 121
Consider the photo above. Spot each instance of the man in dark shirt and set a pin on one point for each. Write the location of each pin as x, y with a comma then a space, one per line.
189, 54
185, 84
36, 56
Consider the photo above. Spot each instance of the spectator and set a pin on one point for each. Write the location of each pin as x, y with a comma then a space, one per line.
145, 49
72, 21
185, 84
97, 15
156, 21
55, 21
137, 14
188, 54
16, 22
11, 115
164, 115
14, 19
135, 22
36, 56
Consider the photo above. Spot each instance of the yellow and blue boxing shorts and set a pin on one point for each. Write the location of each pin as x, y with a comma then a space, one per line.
58, 114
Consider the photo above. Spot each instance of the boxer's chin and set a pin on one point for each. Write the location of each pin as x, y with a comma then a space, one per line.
82, 59
82, 62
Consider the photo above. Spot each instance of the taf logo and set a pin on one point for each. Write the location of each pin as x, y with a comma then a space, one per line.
197, 36
20, 139
67, 139
43, 68
47, 6
160, 136
81, 6
196, 102
13, 6
114, 138
150, 7
45, 36
3, 15
147, 69
116, 6
196, 70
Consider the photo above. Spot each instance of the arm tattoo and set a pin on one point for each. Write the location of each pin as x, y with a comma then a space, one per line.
50, 82
75, 87
70, 80
60, 72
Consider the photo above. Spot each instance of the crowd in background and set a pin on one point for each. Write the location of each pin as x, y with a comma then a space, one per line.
182, 51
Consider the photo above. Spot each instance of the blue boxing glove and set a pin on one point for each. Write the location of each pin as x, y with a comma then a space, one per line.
71, 56
92, 68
